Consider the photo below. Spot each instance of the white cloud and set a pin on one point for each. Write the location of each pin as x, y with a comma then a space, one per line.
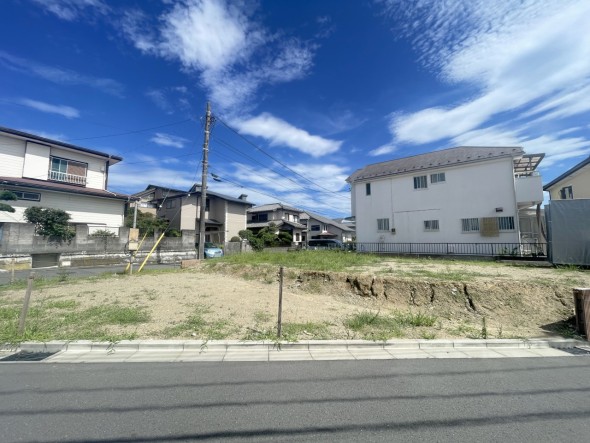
172, 141
281, 133
71, 10
382, 150
514, 53
221, 41
60, 76
63, 110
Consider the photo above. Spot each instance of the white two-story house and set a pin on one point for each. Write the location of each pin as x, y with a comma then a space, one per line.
457, 195
54, 174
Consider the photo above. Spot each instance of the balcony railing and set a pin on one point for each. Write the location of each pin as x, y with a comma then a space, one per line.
67, 178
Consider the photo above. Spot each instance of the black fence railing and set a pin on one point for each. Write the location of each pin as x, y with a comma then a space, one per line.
476, 249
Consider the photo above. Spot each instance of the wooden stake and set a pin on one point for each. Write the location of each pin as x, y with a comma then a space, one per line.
25, 310
12, 271
280, 302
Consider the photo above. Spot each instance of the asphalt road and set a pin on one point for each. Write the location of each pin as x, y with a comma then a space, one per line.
540, 400
6, 276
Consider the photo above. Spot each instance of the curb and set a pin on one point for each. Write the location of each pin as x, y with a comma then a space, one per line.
236, 345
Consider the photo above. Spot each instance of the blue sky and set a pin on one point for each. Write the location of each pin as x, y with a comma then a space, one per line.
305, 92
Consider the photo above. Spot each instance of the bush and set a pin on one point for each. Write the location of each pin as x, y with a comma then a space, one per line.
103, 233
50, 223
235, 238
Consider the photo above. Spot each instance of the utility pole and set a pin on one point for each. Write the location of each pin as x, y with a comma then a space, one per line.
201, 255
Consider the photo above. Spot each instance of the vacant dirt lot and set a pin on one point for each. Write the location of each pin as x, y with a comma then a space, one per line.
240, 302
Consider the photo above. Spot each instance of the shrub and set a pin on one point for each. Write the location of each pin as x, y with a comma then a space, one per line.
50, 223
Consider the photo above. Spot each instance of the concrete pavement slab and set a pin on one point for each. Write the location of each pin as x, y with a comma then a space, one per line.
550, 352
330, 354
482, 353
246, 355
441, 353
289, 355
195, 356
369, 354
409, 353
516, 353
154, 356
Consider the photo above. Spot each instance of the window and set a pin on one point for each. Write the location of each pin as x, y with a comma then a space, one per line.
470, 224
368, 188
431, 225
506, 223
566, 193
383, 224
259, 217
315, 228
439, 177
170, 204
30, 196
68, 171
420, 182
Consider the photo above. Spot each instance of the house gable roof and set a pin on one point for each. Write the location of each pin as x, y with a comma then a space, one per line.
327, 221
195, 189
112, 159
273, 207
566, 174
436, 159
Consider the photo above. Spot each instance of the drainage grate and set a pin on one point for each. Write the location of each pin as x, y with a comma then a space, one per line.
27, 356
578, 350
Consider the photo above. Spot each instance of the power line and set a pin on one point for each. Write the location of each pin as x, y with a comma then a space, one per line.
273, 158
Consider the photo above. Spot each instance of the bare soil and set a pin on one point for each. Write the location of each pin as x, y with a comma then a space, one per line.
238, 302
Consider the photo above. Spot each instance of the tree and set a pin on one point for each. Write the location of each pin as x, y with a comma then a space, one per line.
7, 196
146, 222
50, 223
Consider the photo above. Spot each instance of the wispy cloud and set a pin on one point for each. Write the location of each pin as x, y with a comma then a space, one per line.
71, 10
58, 75
63, 110
382, 150
220, 40
172, 141
521, 56
44, 134
170, 99
281, 133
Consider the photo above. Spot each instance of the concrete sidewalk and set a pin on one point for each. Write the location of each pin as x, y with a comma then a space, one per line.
197, 350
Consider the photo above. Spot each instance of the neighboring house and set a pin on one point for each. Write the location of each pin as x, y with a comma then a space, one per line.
54, 174
347, 221
319, 227
225, 216
457, 195
572, 184
285, 218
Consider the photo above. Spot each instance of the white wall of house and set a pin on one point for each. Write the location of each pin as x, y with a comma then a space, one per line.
82, 209
36, 161
469, 191
12, 157
26, 159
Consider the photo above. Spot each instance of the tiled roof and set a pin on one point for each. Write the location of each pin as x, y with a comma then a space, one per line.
278, 223
436, 159
327, 221
61, 187
20, 134
273, 207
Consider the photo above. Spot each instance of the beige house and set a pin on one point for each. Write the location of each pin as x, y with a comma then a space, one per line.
225, 216
319, 227
572, 184
53, 174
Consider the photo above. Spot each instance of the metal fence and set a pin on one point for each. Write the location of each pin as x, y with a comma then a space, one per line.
475, 249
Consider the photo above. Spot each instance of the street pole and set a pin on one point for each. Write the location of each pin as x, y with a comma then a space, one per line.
201, 255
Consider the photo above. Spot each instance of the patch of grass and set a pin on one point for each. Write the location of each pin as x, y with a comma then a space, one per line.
464, 330
45, 321
261, 317
316, 260
197, 324
291, 332
61, 304
415, 320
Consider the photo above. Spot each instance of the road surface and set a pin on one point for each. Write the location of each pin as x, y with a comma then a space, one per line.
540, 400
